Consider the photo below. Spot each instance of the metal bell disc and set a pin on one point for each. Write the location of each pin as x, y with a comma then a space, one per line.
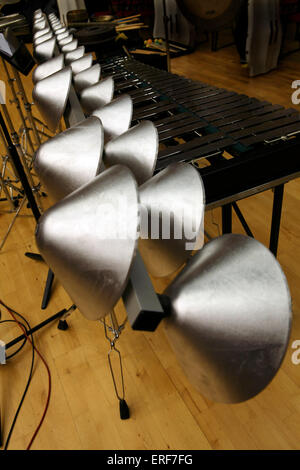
115, 117
41, 33
137, 149
172, 212
61, 30
50, 96
230, 318
83, 63
71, 46
43, 38
37, 14
65, 40
39, 25
57, 26
97, 95
87, 77
45, 50
70, 159
80, 241
74, 55
48, 68
62, 35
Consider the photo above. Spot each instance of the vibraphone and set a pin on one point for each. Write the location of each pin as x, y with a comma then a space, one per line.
241, 145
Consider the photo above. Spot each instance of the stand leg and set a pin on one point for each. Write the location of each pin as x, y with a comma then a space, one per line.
47, 291
226, 219
276, 218
34, 256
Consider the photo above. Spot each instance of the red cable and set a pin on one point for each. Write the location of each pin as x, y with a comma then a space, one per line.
49, 378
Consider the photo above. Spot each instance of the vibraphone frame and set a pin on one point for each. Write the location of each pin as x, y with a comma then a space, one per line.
261, 141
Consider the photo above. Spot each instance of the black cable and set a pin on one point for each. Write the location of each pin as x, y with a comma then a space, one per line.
22, 345
28, 381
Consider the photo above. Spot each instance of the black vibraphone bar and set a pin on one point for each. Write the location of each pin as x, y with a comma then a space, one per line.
241, 145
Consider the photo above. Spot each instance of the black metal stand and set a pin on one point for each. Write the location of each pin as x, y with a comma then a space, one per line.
32, 203
20, 170
36, 328
226, 219
276, 218
47, 291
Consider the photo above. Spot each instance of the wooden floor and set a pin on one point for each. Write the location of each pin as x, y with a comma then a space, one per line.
166, 412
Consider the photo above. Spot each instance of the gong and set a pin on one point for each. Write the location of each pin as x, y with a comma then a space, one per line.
210, 15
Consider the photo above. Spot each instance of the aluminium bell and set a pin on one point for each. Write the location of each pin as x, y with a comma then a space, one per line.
137, 149
71, 46
172, 217
97, 95
66, 40
83, 63
74, 55
87, 77
230, 318
41, 32
71, 158
50, 96
45, 50
115, 117
40, 39
48, 68
88, 239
